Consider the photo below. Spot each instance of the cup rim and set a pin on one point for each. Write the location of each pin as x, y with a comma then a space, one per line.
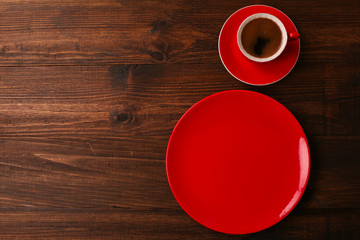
278, 23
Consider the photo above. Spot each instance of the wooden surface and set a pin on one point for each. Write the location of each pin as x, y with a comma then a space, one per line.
91, 90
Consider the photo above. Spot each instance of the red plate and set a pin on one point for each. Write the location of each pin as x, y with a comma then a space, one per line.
238, 162
251, 72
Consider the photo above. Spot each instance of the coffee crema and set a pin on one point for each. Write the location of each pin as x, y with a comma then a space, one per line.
261, 38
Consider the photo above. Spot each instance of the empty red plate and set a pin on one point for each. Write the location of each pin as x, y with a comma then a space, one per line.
238, 162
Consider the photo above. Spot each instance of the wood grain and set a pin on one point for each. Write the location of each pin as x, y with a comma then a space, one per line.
145, 32
132, 224
93, 96
91, 90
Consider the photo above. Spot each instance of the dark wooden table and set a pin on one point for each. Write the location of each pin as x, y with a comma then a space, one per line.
91, 90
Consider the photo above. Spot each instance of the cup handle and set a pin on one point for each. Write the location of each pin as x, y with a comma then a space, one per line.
293, 36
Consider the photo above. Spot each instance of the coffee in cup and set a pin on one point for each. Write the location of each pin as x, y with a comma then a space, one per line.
262, 37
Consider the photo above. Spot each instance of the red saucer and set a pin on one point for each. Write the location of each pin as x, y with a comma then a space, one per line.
238, 162
251, 72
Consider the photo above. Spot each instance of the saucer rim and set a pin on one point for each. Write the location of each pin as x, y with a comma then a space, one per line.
243, 81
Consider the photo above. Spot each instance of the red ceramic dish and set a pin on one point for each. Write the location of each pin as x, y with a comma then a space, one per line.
251, 72
238, 162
